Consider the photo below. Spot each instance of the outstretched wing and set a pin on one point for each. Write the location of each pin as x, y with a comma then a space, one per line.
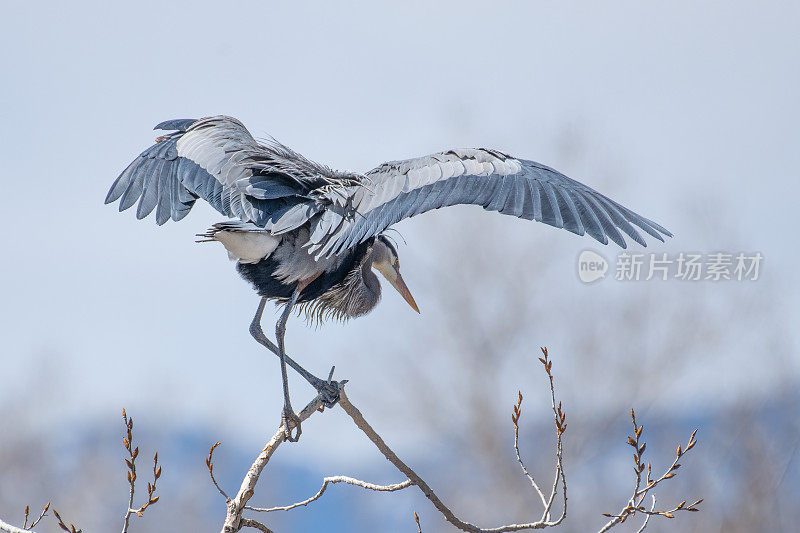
498, 182
218, 160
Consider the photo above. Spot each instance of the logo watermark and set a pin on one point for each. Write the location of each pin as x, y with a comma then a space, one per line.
685, 266
591, 266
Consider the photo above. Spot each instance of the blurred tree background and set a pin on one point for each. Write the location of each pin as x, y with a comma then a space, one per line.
686, 114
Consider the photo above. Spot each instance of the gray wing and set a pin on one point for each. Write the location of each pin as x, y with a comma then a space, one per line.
498, 182
218, 160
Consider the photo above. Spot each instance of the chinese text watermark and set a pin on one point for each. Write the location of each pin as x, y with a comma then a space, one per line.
685, 266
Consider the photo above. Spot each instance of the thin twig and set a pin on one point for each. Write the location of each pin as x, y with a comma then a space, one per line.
69, 529
333, 480
133, 453
25, 527
210, 465
648, 515
131, 474
515, 418
561, 426
634, 504
39, 519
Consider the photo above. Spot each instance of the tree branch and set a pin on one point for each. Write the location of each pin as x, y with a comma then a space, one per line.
133, 453
210, 465
247, 522
8, 528
236, 506
634, 504
233, 518
333, 480
392, 457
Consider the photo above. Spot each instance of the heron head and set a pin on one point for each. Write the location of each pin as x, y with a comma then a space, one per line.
385, 261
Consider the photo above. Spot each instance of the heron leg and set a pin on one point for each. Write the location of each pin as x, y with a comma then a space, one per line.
329, 389
290, 419
261, 338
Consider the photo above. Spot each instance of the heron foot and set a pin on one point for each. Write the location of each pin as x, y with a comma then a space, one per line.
329, 390
290, 422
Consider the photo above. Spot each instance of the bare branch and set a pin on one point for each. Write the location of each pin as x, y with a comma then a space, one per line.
236, 506
333, 480
648, 515
8, 528
392, 457
210, 465
515, 418
247, 522
69, 529
39, 519
133, 453
634, 504
233, 519
561, 426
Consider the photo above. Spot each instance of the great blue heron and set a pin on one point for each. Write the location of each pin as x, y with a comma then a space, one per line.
309, 236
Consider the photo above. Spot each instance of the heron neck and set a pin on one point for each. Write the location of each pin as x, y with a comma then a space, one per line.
371, 282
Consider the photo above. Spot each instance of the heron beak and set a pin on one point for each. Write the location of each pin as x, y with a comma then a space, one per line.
393, 276
401, 287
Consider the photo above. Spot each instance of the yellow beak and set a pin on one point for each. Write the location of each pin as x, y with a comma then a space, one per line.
401, 287
393, 276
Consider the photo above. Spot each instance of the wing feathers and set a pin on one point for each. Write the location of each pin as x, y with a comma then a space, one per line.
553, 213
218, 160
164, 207
278, 190
150, 182
572, 220
497, 182
591, 221
135, 186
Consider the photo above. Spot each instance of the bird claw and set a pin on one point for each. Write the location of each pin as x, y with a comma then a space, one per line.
329, 390
290, 421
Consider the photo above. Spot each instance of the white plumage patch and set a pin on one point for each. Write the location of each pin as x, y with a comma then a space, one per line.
247, 247
246, 243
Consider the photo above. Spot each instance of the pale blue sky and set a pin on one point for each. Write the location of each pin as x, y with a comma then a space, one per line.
689, 116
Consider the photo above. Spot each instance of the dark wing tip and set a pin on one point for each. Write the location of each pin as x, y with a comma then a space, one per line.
180, 124
662, 229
